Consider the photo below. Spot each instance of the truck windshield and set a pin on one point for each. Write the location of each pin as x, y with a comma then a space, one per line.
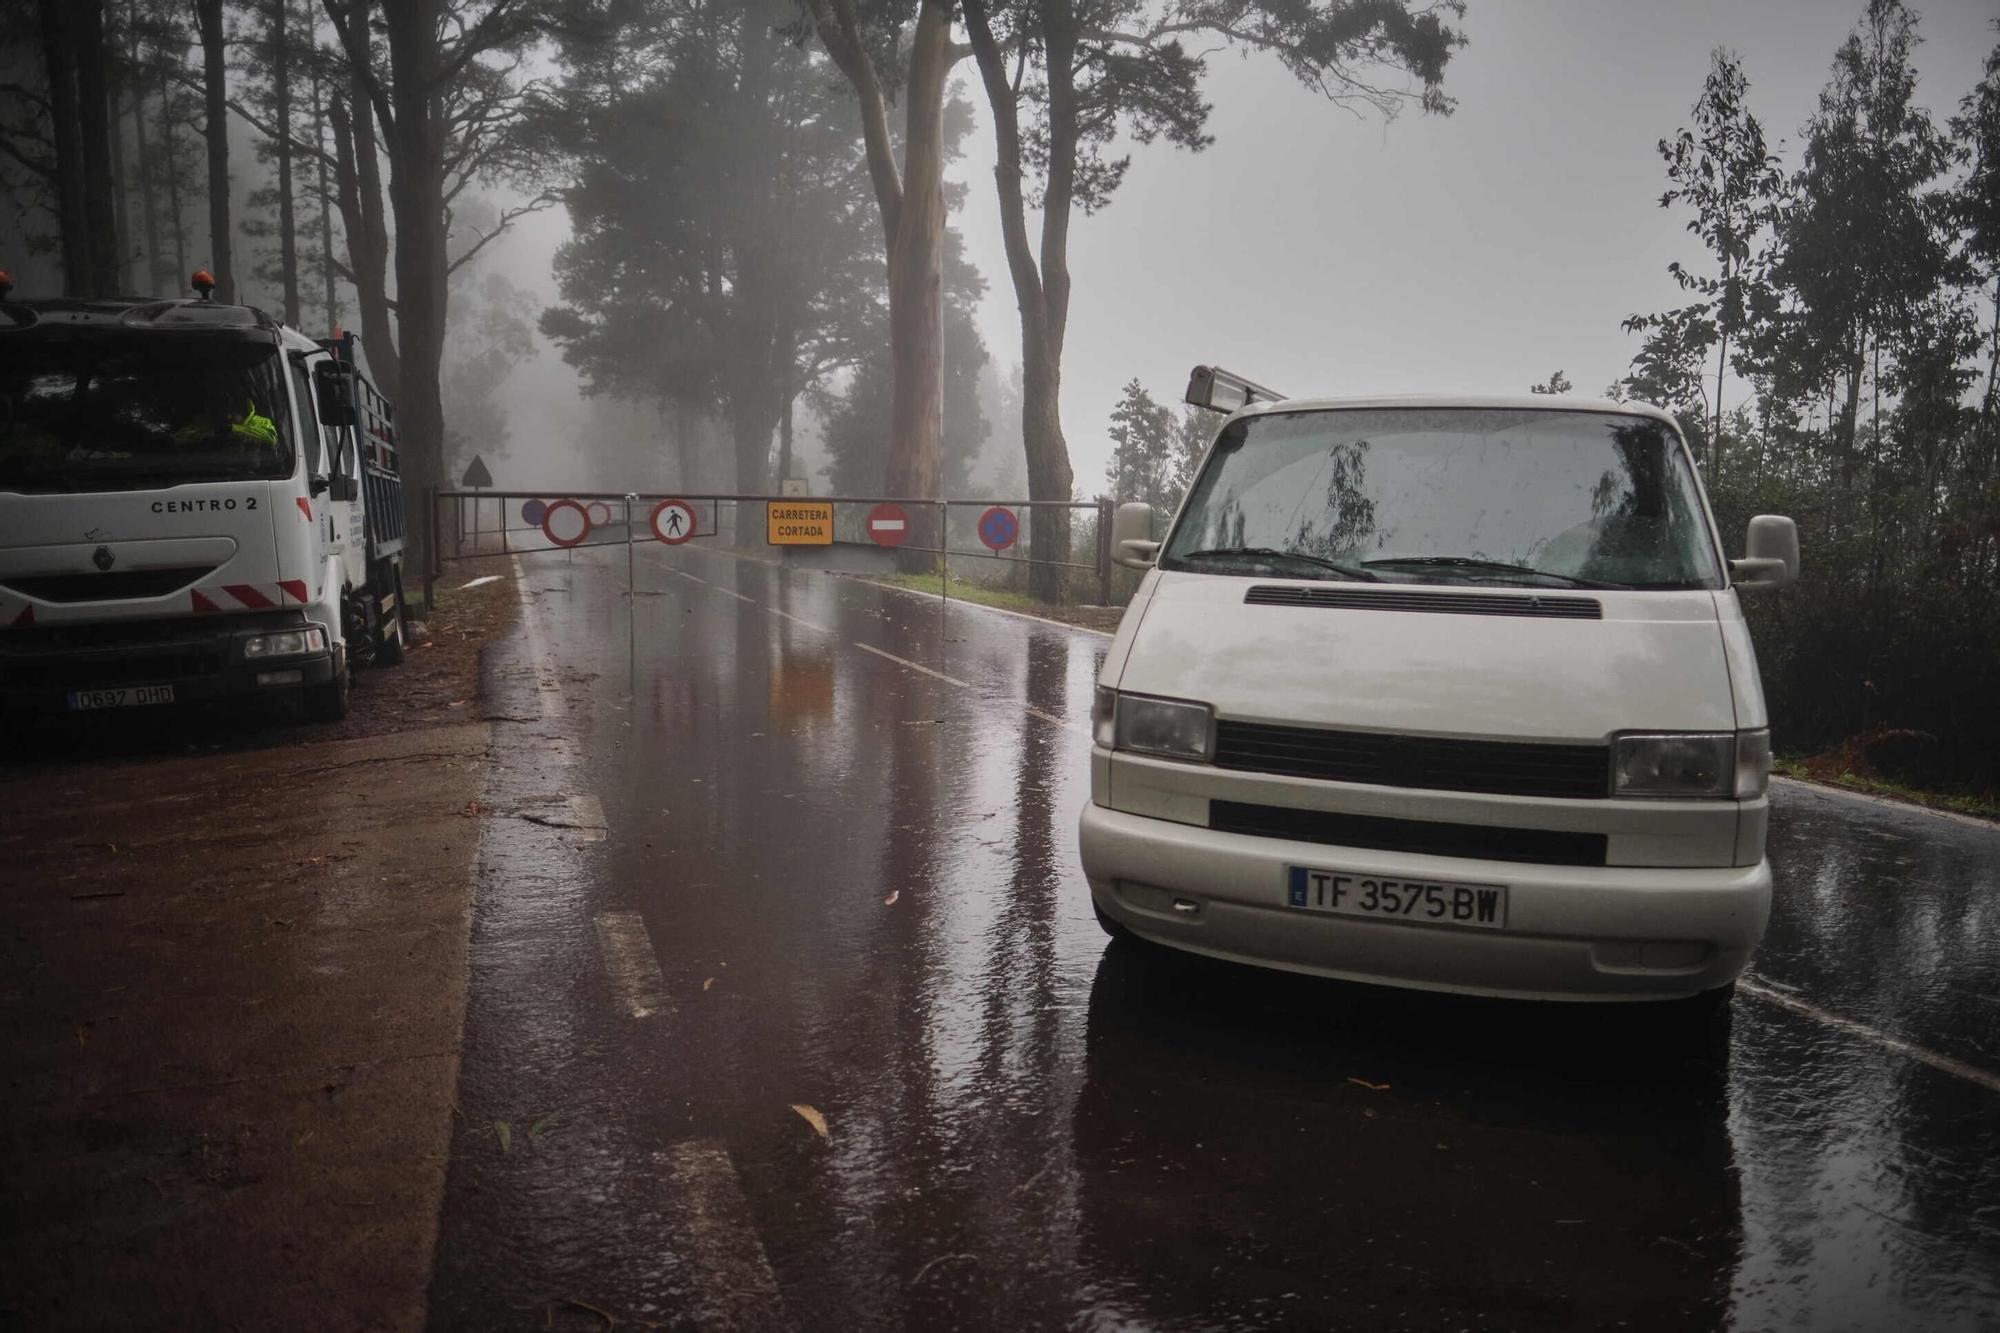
125, 412
1449, 495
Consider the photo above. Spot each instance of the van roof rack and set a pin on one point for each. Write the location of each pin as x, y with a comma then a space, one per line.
1220, 390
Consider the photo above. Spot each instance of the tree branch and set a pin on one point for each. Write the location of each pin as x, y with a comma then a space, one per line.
507, 219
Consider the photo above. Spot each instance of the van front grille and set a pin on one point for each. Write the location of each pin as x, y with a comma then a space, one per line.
1502, 768
1549, 847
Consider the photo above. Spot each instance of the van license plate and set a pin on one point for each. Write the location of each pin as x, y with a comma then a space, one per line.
130, 697
1436, 902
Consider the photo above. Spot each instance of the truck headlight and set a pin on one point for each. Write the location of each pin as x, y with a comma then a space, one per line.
1678, 764
1174, 728
286, 643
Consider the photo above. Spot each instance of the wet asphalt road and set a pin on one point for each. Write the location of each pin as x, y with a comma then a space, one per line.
785, 839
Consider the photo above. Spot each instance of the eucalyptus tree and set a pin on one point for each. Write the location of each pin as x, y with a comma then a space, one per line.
1066, 80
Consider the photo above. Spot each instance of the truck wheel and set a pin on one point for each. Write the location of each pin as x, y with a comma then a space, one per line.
395, 638
328, 702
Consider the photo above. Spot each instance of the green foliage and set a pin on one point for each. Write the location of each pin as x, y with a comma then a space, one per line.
1558, 383
1155, 450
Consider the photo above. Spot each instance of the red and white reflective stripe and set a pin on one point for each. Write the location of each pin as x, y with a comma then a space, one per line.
248, 596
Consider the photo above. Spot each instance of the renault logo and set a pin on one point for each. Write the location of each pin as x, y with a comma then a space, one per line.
103, 559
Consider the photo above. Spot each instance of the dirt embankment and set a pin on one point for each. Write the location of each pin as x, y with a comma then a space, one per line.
232, 973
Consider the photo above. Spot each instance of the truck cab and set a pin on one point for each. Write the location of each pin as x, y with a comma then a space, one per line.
196, 503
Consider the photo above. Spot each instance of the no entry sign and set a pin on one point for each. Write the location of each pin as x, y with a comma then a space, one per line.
673, 521
888, 525
565, 523
998, 528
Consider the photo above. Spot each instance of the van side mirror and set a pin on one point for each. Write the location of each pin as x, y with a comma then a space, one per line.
333, 386
1770, 554
1132, 543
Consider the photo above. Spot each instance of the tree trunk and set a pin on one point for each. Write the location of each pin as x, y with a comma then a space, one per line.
331, 297
916, 269
215, 80
94, 120
171, 162
148, 169
123, 251
281, 83
1041, 288
72, 218
1715, 438
367, 237
416, 140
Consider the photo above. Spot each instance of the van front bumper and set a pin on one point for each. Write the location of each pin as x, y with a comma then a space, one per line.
1572, 932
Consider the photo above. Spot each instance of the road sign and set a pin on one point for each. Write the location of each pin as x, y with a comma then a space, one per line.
565, 523
600, 512
794, 486
476, 474
998, 528
799, 522
532, 512
673, 521
888, 525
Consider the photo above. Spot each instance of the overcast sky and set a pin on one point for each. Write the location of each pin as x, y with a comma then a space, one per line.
1321, 253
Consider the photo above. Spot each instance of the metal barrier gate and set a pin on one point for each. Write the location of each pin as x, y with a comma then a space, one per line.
466, 525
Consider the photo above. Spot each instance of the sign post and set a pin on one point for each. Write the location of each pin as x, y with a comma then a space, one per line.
476, 479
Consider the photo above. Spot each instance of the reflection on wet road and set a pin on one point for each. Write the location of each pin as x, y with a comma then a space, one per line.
836, 873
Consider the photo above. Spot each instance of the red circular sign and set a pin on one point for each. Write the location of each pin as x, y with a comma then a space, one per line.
600, 512
888, 525
998, 527
673, 521
551, 526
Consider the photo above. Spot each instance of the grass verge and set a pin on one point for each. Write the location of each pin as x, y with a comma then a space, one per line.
1102, 618
1825, 772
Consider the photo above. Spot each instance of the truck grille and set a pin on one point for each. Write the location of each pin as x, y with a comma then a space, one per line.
98, 656
116, 586
1423, 837
1504, 768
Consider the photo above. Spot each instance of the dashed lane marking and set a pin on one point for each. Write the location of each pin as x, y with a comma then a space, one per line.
1922, 1055
739, 1288
628, 957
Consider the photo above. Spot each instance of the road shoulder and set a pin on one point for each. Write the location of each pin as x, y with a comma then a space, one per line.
233, 993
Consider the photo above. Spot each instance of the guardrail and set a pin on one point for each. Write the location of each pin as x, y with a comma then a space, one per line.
963, 529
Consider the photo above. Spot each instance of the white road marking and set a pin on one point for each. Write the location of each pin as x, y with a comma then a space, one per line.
722, 1241
797, 621
1943, 1063
628, 957
548, 692
1030, 709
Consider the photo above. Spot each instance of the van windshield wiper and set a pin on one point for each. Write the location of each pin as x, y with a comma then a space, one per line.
1273, 553
1467, 562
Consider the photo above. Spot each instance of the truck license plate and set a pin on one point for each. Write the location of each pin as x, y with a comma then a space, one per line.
1435, 902
130, 696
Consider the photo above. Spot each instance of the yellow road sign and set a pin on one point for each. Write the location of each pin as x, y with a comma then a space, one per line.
799, 522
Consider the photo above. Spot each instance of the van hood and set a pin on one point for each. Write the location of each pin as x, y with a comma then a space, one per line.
1384, 657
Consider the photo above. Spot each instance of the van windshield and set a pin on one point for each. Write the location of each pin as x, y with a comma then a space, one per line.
124, 411
1525, 497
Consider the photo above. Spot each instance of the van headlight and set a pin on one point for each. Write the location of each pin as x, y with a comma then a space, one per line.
1172, 728
1720, 763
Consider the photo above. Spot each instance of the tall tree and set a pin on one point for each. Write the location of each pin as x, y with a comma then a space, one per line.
1722, 169
215, 133
1155, 448
1066, 78
910, 204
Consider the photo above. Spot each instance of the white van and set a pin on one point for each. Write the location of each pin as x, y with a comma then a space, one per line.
1451, 693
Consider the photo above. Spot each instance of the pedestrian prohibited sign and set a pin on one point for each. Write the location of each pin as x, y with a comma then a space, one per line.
888, 525
998, 528
673, 521
799, 522
565, 523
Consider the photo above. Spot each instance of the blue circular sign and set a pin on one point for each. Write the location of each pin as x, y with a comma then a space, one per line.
533, 512
998, 528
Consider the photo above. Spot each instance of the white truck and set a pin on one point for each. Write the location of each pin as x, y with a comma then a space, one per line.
196, 503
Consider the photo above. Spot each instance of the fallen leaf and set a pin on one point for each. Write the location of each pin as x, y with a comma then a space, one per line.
811, 1117
706, 984
505, 1133
544, 1124
890, 901
1372, 1087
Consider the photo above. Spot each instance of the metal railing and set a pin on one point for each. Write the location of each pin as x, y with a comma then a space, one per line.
996, 531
